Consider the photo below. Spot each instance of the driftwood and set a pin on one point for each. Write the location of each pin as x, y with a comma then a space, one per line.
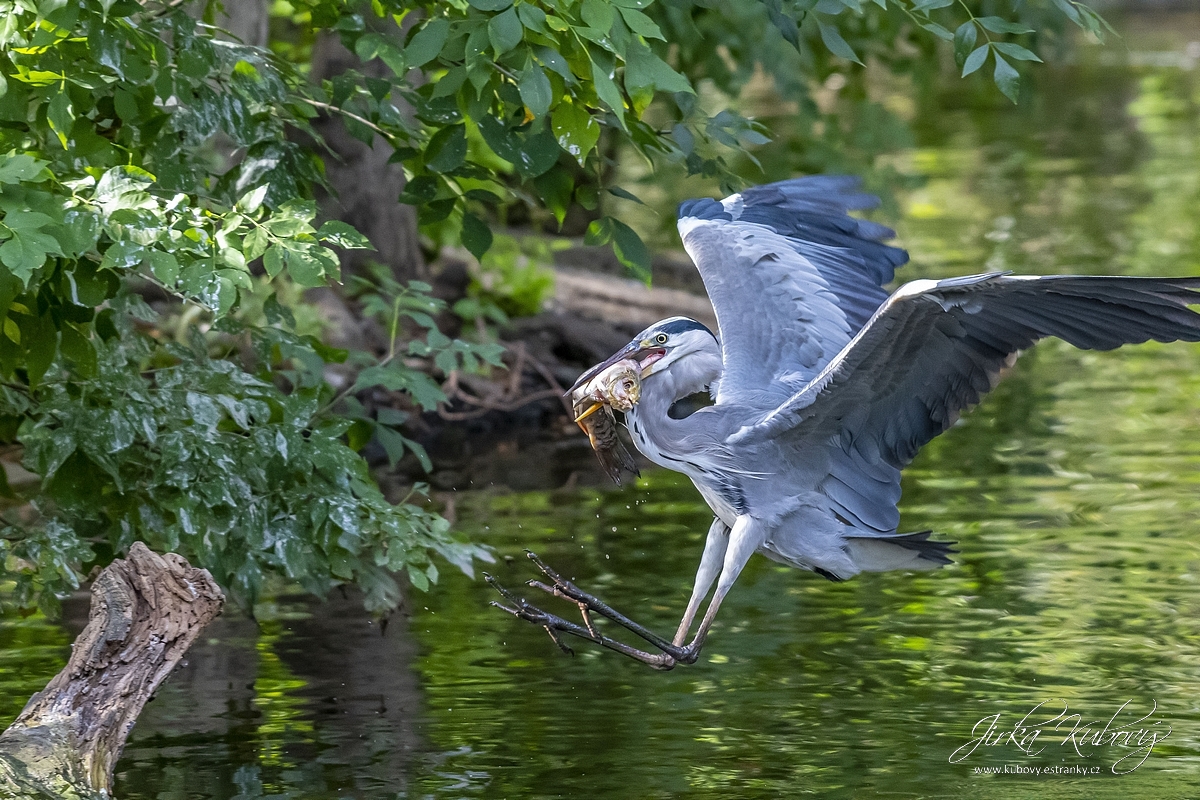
147, 609
624, 302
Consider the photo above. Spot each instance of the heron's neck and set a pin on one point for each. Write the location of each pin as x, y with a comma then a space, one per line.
676, 444
660, 391
696, 372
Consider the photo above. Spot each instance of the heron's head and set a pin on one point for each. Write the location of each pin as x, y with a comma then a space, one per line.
679, 346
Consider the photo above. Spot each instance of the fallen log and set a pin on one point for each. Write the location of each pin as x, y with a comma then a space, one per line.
625, 302
147, 609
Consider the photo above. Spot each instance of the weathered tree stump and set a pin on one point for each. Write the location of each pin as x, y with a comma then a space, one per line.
147, 609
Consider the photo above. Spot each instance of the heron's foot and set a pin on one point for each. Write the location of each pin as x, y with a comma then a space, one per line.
588, 604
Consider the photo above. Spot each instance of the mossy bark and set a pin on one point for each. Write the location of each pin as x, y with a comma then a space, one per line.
147, 609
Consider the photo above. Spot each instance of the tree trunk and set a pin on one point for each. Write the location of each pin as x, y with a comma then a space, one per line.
248, 20
366, 187
147, 609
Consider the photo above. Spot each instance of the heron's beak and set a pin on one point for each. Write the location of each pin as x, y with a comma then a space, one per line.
628, 351
651, 357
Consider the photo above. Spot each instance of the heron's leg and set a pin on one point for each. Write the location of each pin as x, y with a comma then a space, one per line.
710, 566
745, 537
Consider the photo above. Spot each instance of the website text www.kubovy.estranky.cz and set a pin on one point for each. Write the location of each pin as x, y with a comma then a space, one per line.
1039, 771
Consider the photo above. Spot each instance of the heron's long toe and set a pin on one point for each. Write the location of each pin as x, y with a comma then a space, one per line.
588, 604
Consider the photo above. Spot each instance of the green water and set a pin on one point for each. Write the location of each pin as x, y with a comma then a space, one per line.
1073, 492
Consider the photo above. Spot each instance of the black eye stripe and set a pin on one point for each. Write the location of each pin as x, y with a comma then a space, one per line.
682, 325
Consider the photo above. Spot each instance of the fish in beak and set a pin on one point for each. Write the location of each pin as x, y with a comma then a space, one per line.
644, 354
614, 383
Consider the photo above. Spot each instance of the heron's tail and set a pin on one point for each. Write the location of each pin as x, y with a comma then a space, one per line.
898, 551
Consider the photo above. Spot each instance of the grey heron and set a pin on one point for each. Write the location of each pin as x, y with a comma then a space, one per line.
825, 387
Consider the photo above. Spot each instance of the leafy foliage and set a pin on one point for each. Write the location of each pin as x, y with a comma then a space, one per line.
524, 101
110, 173
204, 459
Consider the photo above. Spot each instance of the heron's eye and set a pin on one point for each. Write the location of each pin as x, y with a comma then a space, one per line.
661, 338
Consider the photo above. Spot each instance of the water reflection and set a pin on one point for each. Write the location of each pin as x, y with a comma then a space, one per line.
1072, 492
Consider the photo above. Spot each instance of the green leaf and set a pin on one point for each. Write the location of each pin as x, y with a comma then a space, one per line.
27, 248
122, 187
538, 154
89, 285
930, 5
341, 234
643, 69
39, 339
164, 266
505, 31
476, 235
575, 129
420, 386
447, 149
786, 24
554, 187
306, 266
532, 17
606, 88
938, 31
277, 313
80, 351
598, 14
393, 442
17, 168
490, 5
617, 191
255, 243
975, 60
556, 63
535, 90
450, 83
631, 250
61, 117
1072, 14
204, 410
640, 24
964, 40
273, 261
427, 43
599, 232
1016, 51
998, 25
233, 257
1095, 24
368, 47
252, 200
418, 579
834, 41
1007, 79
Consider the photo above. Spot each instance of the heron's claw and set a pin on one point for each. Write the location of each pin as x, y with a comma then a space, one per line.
554, 638
588, 604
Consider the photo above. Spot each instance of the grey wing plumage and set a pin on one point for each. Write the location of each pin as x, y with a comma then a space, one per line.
792, 278
936, 348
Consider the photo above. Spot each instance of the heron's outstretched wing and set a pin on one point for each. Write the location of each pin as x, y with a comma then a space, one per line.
936, 347
791, 277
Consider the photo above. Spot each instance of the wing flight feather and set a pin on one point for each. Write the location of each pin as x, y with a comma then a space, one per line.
792, 278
